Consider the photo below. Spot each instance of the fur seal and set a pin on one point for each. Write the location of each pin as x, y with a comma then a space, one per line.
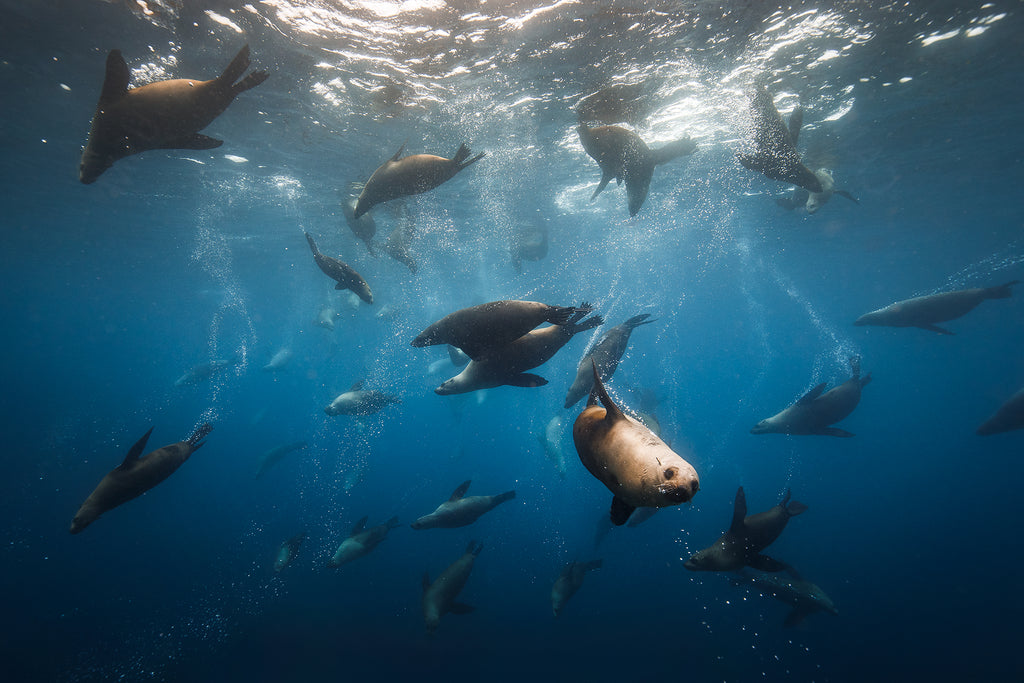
607, 353
162, 115
530, 243
358, 401
326, 318
479, 330
747, 536
925, 311
274, 456
345, 275
1010, 416
551, 441
397, 244
364, 227
439, 596
279, 361
814, 411
361, 541
804, 597
203, 372
569, 581
773, 145
288, 550
459, 510
812, 201
623, 156
637, 467
136, 475
508, 364
616, 103
415, 174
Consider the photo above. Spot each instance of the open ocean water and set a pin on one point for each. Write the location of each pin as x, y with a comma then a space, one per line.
175, 258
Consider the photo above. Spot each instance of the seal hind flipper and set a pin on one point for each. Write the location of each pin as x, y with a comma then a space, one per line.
795, 617
620, 511
638, 320
1001, 291
812, 394
135, 451
606, 178
612, 412
392, 523
460, 491
796, 122
236, 68
795, 508
194, 141
115, 81
249, 82
460, 157
844, 193
526, 379
559, 315
196, 440
935, 328
739, 512
673, 150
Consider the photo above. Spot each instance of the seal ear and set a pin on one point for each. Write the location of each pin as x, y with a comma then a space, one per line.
115, 82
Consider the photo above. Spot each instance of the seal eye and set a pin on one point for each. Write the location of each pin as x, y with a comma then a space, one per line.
670, 473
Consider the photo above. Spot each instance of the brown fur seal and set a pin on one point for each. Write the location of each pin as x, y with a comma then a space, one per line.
814, 411
415, 174
344, 274
607, 353
136, 475
637, 467
747, 536
623, 156
1010, 416
361, 541
925, 311
460, 510
773, 145
439, 596
569, 581
508, 365
479, 330
161, 115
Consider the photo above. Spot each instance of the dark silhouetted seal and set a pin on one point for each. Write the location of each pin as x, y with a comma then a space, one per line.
161, 115
607, 353
415, 174
624, 157
569, 581
274, 456
815, 411
461, 510
359, 401
747, 536
773, 146
637, 467
804, 597
136, 475
812, 201
1010, 416
616, 103
530, 243
342, 273
925, 311
288, 550
439, 596
361, 541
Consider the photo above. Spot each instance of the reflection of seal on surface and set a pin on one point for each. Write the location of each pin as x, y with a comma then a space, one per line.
461, 510
925, 311
439, 596
345, 276
773, 145
815, 411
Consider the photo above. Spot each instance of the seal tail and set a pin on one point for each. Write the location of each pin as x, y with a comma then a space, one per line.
196, 440
673, 150
312, 244
588, 324
638, 320
460, 157
559, 315
503, 497
1001, 291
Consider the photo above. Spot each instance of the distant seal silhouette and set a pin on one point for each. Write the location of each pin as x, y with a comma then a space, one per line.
607, 353
530, 243
804, 597
569, 581
747, 536
460, 510
815, 411
551, 441
507, 365
925, 311
344, 274
479, 330
773, 146
136, 475
415, 174
439, 596
270, 458
203, 372
359, 401
398, 242
364, 227
624, 157
813, 201
637, 467
1010, 416
361, 541
288, 550
162, 115
279, 361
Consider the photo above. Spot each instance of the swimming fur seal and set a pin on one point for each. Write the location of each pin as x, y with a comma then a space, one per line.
508, 365
363, 227
530, 243
439, 596
607, 353
569, 581
136, 475
361, 541
359, 401
479, 330
637, 467
460, 510
279, 361
623, 156
274, 456
747, 536
162, 115
773, 145
804, 597
925, 311
1010, 416
397, 244
415, 174
344, 274
551, 441
203, 372
815, 411
288, 550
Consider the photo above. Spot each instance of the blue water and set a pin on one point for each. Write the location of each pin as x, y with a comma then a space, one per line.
171, 259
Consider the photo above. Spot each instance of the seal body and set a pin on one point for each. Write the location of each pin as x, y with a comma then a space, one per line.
817, 409
274, 456
364, 227
136, 475
202, 372
530, 243
162, 115
551, 441
772, 147
398, 244
361, 541
439, 596
326, 317
569, 581
606, 354
460, 509
415, 174
279, 361
637, 467
925, 311
1010, 416
742, 544
345, 276
359, 401
616, 103
288, 551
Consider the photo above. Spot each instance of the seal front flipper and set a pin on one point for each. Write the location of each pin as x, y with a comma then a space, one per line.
812, 394
526, 379
196, 141
739, 512
115, 81
767, 564
605, 179
358, 526
832, 431
620, 511
796, 122
935, 328
135, 451
460, 491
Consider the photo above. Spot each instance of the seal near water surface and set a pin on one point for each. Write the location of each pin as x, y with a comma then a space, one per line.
925, 311
772, 147
339, 271
817, 409
162, 115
